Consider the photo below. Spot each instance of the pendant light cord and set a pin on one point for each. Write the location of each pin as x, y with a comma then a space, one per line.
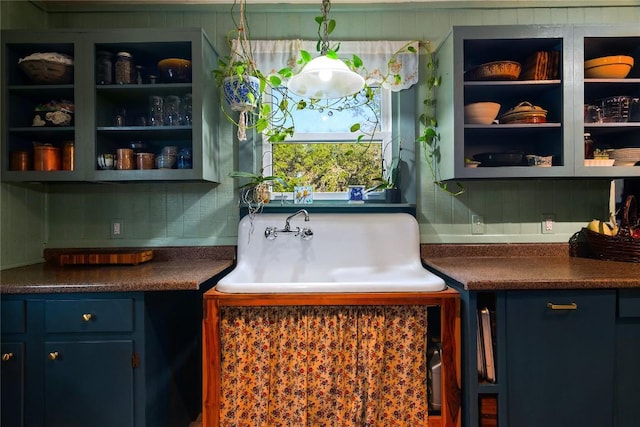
324, 47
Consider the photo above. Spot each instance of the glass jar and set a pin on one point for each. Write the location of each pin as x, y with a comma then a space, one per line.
172, 111
187, 110
156, 111
104, 68
124, 68
184, 158
588, 146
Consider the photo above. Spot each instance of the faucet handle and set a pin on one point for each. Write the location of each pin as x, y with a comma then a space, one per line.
271, 233
306, 234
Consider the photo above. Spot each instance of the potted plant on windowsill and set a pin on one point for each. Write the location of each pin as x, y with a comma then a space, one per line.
389, 182
256, 192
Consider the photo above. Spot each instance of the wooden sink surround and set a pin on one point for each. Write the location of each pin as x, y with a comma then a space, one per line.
448, 301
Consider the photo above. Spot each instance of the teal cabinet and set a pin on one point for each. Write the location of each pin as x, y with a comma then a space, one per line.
627, 368
12, 383
562, 91
94, 130
560, 358
101, 359
88, 374
12, 349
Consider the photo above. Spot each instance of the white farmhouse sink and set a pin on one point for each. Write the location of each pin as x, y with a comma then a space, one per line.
347, 253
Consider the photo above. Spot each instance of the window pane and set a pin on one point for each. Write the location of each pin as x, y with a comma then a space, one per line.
328, 167
335, 115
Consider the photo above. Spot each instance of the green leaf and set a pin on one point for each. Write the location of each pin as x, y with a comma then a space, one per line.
261, 125
331, 26
275, 81
306, 56
302, 104
357, 62
411, 49
355, 127
319, 19
332, 54
286, 72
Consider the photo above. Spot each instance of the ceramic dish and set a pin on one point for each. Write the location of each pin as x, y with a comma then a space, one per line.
481, 113
539, 161
598, 162
175, 70
525, 112
497, 70
608, 67
500, 159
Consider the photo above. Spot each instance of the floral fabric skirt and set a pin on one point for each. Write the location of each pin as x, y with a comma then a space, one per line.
338, 366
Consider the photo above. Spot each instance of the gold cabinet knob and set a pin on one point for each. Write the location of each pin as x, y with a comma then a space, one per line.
53, 355
7, 356
87, 316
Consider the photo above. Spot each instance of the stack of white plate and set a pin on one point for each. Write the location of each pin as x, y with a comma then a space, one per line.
625, 156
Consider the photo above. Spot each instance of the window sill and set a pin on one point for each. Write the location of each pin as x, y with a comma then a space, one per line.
337, 206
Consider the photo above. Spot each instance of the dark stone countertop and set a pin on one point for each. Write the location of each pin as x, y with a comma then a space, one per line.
526, 267
170, 269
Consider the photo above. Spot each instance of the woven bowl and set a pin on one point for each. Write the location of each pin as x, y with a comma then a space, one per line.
48, 71
498, 70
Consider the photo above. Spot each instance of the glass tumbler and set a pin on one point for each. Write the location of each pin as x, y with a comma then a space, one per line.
187, 110
172, 113
156, 111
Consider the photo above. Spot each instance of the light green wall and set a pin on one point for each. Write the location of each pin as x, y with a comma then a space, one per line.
79, 215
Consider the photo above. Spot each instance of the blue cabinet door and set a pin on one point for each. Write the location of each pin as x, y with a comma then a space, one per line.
12, 376
628, 358
89, 383
560, 358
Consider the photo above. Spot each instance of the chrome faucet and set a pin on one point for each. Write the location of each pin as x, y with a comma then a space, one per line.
287, 227
305, 233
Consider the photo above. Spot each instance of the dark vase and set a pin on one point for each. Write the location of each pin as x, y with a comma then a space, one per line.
392, 195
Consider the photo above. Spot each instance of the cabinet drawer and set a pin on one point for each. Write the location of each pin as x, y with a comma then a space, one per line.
629, 303
13, 317
90, 315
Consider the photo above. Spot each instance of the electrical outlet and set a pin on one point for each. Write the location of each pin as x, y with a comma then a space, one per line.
548, 223
477, 224
116, 228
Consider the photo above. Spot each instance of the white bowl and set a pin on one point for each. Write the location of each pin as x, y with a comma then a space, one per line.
481, 113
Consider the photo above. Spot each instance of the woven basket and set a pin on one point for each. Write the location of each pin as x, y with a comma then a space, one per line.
622, 247
42, 71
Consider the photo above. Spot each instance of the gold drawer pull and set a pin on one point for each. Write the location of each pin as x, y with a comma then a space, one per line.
7, 356
87, 316
570, 306
53, 355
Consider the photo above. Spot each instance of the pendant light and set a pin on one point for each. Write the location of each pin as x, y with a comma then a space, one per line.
325, 77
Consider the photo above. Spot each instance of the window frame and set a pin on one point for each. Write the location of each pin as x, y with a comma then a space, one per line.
382, 137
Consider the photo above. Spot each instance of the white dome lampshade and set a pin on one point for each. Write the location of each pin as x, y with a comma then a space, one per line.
325, 78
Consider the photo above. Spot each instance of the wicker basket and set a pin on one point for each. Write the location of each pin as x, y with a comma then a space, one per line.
42, 71
622, 247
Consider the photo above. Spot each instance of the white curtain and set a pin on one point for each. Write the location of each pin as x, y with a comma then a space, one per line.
273, 55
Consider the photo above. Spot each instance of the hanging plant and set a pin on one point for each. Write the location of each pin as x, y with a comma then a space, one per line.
430, 137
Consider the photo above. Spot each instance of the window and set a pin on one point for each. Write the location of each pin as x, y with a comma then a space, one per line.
325, 154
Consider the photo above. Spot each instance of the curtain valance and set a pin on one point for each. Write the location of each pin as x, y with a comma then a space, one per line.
273, 55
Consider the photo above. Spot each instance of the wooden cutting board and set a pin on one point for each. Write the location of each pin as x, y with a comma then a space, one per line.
105, 257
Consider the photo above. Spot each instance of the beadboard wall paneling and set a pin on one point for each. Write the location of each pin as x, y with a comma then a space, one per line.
200, 214
23, 225
23, 231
